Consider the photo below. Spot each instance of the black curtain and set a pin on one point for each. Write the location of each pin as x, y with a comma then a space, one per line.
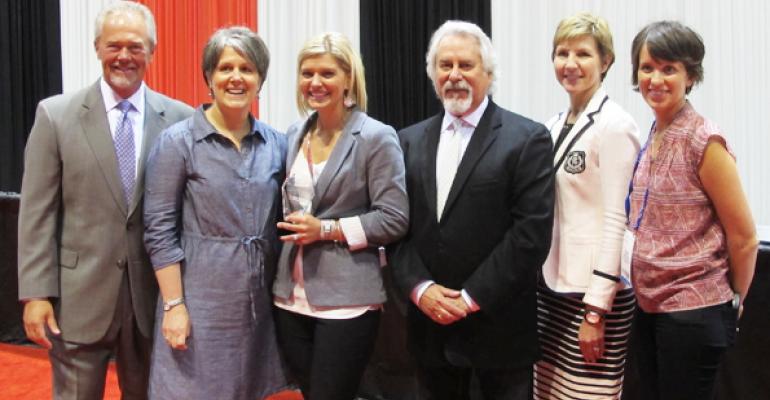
394, 40
11, 327
30, 70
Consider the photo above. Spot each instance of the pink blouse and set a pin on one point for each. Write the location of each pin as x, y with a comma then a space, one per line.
680, 257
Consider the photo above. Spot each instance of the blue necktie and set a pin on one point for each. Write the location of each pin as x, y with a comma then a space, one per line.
125, 151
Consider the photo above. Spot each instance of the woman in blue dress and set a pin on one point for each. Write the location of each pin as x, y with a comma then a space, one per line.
211, 206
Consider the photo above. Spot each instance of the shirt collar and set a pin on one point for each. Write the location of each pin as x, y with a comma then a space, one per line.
202, 128
471, 119
683, 117
111, 99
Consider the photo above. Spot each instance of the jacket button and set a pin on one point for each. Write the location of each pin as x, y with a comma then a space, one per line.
120, 263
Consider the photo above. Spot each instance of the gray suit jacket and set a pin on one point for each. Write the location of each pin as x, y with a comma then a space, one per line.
77, 235
364, 177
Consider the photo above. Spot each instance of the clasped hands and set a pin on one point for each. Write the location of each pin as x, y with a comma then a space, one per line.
443, 305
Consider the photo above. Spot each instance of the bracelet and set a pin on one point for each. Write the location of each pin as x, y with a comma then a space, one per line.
168, 305
338, 230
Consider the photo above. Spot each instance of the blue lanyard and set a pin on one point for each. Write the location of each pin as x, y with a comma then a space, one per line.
638, 222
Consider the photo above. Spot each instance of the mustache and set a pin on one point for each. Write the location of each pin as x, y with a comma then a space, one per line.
459, 85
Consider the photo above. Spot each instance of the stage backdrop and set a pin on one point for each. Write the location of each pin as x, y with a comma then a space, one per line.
30, 65
184, 27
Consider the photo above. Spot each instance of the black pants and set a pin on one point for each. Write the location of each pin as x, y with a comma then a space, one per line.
327, 357
679, 353
454, 383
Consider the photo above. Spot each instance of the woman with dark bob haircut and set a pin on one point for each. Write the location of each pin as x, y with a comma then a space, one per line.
212, 201
691, 238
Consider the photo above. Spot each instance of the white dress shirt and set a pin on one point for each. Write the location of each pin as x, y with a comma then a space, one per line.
111, 101
468, 126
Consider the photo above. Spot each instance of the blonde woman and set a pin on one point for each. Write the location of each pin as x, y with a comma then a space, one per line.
344, 198
584, 306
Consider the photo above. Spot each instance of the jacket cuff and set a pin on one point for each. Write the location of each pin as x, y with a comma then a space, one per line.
418, 291
354, 233
601, 290
469, 301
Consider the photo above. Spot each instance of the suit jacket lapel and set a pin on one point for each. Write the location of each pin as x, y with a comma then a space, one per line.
96, 128
340, 152
154, 123
483, 137
295, 143
585, 121
428, 151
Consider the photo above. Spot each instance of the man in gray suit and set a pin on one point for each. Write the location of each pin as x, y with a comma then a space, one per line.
84, 276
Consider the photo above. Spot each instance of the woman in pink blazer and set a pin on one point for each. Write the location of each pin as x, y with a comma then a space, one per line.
584, 303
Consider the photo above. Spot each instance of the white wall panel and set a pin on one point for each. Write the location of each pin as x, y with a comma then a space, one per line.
80, 67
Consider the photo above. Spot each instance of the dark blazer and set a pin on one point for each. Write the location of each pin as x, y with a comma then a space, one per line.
77, 235
492, 239
364, 177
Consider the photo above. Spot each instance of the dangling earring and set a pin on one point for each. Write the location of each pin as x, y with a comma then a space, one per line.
211, 92
348, 101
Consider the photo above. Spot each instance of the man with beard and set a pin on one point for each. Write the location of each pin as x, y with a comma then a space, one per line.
87, 284
480, 186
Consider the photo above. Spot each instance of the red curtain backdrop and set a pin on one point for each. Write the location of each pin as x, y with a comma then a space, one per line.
184, 26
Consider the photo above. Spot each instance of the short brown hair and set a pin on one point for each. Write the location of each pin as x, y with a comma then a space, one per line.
670, 41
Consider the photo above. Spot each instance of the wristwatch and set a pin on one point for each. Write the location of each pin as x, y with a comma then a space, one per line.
736, 300
593, 317
168, 305
327, 226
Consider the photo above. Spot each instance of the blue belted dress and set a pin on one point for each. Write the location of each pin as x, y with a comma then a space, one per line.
213, 208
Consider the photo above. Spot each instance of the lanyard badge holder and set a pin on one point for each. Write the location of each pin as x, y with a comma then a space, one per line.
629, 236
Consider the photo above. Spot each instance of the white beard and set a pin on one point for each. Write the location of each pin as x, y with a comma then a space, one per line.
456, 105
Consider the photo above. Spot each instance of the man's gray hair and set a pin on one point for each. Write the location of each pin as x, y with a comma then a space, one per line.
462, 28
120, 7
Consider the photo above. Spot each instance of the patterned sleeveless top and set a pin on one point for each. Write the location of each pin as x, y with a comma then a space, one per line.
680, 257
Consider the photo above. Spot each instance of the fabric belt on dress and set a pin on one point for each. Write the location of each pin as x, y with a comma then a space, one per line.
255, 247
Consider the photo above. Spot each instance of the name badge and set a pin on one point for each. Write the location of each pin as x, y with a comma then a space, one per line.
626, 255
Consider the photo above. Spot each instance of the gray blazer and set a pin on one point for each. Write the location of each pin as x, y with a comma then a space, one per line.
77, 235
363, 177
